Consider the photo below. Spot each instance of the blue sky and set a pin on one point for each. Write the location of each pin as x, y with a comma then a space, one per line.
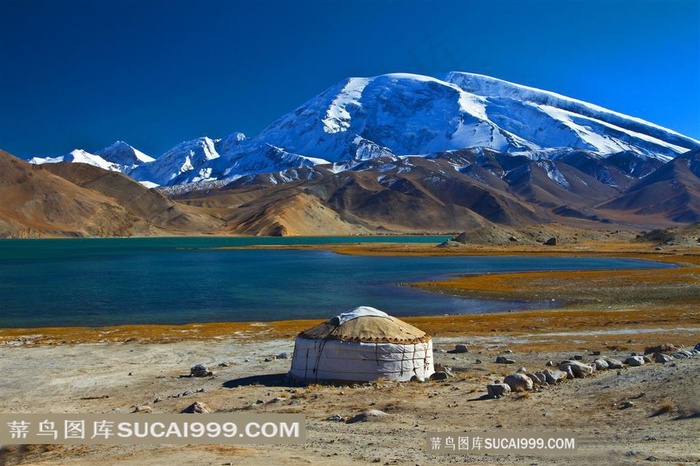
84, 73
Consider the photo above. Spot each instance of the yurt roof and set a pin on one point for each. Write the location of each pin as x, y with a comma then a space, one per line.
366, 324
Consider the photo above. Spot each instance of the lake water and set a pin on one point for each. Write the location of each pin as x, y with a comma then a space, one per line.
96, 282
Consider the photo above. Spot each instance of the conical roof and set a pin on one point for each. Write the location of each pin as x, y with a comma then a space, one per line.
366, 324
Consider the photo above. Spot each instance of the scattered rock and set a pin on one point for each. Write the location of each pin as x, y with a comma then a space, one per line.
595, 353
550, 364
634, 361
578, 369
200, 370
504, 360
143, 409
521, 370
417, 379
578, 357
372, 414
508, 351
519, 382
625, 405
478, 361
697, 347
283, 356
538, 378
554, 376
662, 358
550, 242
268, 359
336, 418
665, 348
197, 408
647, 359
439, 375
460, 349
601, 365
497, 390
224, 364
614, 363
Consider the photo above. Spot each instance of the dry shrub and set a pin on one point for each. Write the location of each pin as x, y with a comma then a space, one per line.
665, 406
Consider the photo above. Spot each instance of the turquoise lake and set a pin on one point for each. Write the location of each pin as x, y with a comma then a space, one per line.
96, 282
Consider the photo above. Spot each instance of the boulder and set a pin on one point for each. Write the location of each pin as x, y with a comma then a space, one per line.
614, 363
578, 369
601, 365
697, 347
634, 361
554, 376
497, 390
519, 382
550, 242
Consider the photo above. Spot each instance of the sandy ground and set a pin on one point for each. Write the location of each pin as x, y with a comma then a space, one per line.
115, 370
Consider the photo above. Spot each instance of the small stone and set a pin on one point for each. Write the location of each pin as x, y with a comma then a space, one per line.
335, 418
538, 378
461, 349
634, 361
131, 373
197, 408
417, 379
372, 414
521, 370
578, 357
508, 351
283, 356
595, 353
143, 409
268, 359
440, 375
550, 364
497, 390
478, 361
614, 363
200, 370
550, 242
600, 364
224, 364
662, 358
504, 360
625, 405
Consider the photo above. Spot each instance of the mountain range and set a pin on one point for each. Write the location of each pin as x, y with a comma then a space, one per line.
403, 152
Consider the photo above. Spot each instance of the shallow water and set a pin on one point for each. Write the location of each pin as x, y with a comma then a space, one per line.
95, 282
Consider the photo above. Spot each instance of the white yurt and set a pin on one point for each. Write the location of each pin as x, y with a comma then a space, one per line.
361, 345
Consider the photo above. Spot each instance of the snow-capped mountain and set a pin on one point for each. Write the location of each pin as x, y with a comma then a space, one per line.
120, 157
402, 114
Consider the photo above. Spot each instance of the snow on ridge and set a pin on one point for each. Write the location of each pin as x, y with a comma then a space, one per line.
337, 117
488, 86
